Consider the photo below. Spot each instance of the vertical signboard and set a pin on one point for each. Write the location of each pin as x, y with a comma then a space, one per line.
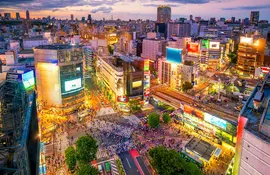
146, 87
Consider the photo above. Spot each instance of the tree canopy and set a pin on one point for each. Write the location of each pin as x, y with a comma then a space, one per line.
166, 117
135, 106
87, 169
186, 86
70, 158
86, 149
153, 120
170, 162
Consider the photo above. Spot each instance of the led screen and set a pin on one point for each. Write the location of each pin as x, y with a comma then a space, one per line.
136, 84
246, 40
193, 48
174, 55
146, 65
214, 45
28, 79
205, 43
73, 84
215, 121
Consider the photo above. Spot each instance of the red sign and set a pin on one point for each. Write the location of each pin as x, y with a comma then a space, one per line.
193, 48
193, 111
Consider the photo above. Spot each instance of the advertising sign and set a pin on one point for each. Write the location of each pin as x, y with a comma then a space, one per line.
214, 45
146, 88
146, 65
122, 99
28, 79
174, 55
196, 112
215, 121
193, 48
246, 40
205, 43
73, 84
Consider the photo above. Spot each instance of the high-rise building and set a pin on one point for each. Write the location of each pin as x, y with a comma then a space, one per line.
190, 17
59, 77
18, 15
7, 15
89, 19
83, 19
253, 133
254, 17
250, 55
27, 15
178, 29
197, 19
163, 14
71, 17
233, 19
152, 48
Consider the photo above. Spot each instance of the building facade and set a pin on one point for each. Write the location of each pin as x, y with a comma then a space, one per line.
163, 14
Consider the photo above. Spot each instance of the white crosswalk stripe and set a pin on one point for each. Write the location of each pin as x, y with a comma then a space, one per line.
114, 168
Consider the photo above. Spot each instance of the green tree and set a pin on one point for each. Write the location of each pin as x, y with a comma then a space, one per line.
233, 57
153, 120
170, 162
86, 149
166, 117
186, 86
111, 49
87, 169
135, 106
166, 161
70, 158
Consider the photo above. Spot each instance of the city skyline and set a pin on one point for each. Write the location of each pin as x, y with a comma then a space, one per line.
136, 9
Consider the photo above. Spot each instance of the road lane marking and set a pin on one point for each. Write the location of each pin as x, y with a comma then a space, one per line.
128, 163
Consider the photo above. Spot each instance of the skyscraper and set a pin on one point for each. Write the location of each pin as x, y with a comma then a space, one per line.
72, 17
18, 15
163, 14
27, 15
89, 19
191, 17
254, 17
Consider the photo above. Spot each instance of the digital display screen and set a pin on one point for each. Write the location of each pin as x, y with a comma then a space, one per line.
146, 65
73, 84
246, 40
193, 48
28, 79
174, 55
136, 84
214, 45
215, 121
205, 43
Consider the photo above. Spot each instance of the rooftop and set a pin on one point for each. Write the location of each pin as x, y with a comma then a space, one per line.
257, 110
57, 47
201, 148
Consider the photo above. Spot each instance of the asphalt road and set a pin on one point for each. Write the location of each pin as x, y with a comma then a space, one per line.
128, 163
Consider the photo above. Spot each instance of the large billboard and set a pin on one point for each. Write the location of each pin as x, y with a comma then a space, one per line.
214, 45
215, 121
174, 55
28, 79
246, 40
205, 43
73, 84
193, 48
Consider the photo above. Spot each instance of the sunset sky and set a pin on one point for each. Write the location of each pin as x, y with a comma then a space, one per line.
136, 9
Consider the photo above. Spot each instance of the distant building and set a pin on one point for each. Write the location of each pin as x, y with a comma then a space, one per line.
233, 19
163, 14
18, 15
89, 19
71, 17
27, 15
178, 29
30, 43
197, 19
254, 17
250, 55
152, 48
83, 19
253, 133
7, 15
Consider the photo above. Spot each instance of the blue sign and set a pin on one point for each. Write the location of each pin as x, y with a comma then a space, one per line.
174, 55
215, 121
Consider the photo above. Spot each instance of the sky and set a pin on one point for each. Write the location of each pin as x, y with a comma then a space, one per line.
136, 9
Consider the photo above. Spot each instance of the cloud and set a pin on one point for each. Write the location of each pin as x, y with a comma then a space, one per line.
193, 1
54, 10
102, 9
156, 5
255, 7
53, 4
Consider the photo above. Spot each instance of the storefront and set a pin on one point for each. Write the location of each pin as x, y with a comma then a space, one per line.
210, 126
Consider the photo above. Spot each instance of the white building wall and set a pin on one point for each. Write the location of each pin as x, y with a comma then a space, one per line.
30, 44
255, 157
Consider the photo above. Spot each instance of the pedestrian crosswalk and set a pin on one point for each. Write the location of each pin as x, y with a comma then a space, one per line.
114, 167
101, 153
